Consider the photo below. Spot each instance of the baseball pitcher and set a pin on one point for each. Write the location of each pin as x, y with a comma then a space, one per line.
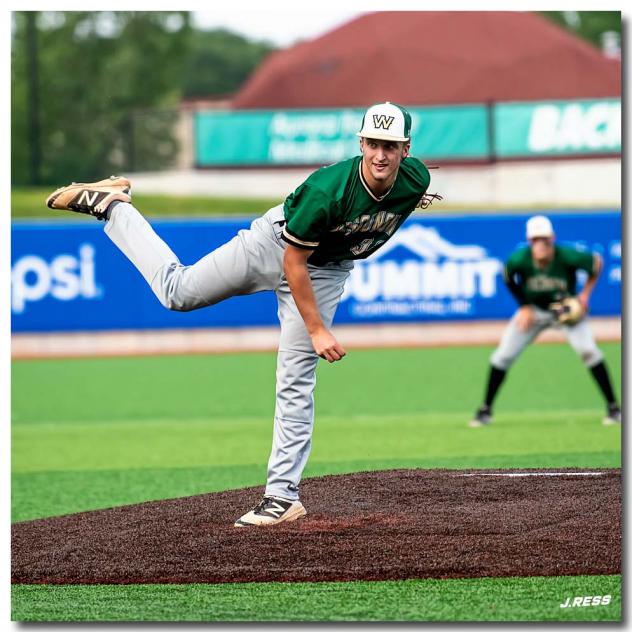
302, 250
542, 278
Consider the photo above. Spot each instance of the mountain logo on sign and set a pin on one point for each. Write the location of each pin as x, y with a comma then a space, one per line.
431, 268
428, 244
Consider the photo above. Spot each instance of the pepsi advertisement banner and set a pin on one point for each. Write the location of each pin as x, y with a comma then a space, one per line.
70, 277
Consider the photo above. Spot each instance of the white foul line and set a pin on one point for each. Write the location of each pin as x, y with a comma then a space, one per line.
514, 474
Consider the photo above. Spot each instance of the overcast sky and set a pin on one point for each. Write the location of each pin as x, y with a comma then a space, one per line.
281, 27
283, 22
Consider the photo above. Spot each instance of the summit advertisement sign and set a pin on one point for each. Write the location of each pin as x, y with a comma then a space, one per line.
420, 274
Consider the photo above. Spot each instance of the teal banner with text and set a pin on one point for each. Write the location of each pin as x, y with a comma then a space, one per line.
311, 137
455, 133
557, 128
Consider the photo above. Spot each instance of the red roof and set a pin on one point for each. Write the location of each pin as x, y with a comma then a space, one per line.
433, 57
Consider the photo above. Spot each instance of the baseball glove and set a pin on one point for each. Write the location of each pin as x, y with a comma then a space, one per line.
568, 311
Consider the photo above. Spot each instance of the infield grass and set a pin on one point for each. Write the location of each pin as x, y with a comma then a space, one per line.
95, 433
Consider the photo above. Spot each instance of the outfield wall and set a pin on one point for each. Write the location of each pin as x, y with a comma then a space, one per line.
560, 183
69, 277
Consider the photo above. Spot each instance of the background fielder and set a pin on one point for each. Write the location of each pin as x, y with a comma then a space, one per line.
303, 250
541, 278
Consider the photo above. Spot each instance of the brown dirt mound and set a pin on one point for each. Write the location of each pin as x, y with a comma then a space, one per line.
396, 524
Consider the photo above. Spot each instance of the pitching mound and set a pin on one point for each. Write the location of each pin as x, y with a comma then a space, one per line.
397, 524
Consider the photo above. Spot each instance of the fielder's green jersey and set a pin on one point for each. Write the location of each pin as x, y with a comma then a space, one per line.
335, 214
542, 286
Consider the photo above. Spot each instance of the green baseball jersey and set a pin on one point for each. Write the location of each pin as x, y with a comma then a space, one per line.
542, 286
335, 213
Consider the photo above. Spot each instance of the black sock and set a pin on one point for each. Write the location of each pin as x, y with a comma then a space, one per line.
600, 373
108, 210
495, 379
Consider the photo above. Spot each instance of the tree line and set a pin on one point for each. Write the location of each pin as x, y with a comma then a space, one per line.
95, 93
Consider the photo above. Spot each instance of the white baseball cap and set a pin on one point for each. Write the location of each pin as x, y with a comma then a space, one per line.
539, 226
386, 121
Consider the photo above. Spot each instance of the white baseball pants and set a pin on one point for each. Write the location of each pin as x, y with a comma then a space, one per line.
514, 340
250, 262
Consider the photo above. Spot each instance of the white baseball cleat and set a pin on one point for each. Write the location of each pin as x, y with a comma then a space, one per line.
482, 417
272, 510
613, 416
91, 198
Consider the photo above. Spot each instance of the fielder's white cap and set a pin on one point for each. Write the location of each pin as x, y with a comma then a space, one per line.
386, 121
539, 226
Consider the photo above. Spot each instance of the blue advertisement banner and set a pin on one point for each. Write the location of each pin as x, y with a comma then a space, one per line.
70, 277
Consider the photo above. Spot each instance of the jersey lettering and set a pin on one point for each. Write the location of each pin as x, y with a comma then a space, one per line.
363, 246
543, 283
382, 222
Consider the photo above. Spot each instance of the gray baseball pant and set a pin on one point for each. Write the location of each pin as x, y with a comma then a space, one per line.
514, 340
250, 262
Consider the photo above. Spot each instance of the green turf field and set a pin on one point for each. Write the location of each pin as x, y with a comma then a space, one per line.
95, 433
488, 599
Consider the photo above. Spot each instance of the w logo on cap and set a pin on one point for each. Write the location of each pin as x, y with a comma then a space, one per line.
381, 121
